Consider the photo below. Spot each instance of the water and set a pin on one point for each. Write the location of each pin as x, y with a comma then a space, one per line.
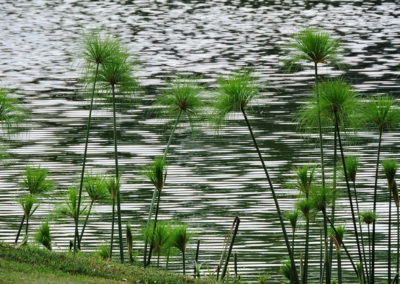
211, 178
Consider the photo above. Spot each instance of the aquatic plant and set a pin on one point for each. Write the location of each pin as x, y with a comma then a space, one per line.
305, 177
96, 50
70, 205
235, 94
156, 172
337, 237
390, 169
129, 241
29, 206
11, 114
96, 188
380, 114
36, 182
369, 218
43, 235
293, 217
113, 187
116, 75
103, 252
305, 206
180, 238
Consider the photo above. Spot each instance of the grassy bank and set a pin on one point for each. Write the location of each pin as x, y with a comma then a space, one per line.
34, 265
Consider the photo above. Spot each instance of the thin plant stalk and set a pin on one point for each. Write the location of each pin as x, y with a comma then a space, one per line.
237, 222
361, 232
84, 224
121, 246
398, 246
154, 227
320, 258
369, 251
84, 161
339, 261
183, 262
112, 227
348, 190
196, 260
372, 259
320, 127
305, 274
390, 238
153, 199
20, 228
293, 264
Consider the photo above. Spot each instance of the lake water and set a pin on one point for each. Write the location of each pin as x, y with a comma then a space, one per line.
211, 178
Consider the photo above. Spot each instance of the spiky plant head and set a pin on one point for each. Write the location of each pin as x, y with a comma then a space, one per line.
313, 46
182, 96
368, 217
36, 180
117, 73
180, 237
43, 235
331, 99
338, 235
70, 205
352, 167
103, 252
235, 93
98, 49
381, 113
292, 217
97, 187
129, 238
390, 169
305, 206
11, 114
305, 178
162, 237
156, 172
286, 270
29, 205
321, 197
113, 186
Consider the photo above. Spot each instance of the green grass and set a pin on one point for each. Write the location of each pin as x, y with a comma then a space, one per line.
33, 265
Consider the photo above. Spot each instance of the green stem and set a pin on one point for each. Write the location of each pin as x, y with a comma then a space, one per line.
305, 275
349, 192
398, 246
121, 246
84, 224
369, 253
183, 262
341, 242
339, 260
361, 232
26, 228
153, 199
112, 227
372, 260
154, 228
320, 257
196, 259
293, 264
237, 222
329, 254
84, 160
389, 238
20, 228
320, 127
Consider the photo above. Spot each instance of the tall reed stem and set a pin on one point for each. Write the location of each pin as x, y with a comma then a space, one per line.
237, 222
293, 264
20, 228
153, 199
154, 228
305, 274
398, 246
372, 260
390, 238
76, 237
84, 224
112, 227
121, 246
348, 191
339, 261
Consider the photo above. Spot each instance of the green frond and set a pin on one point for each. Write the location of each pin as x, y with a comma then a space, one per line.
11, 114
69, 208
103, 252
98, 49
351, 167
382, 113
334, 97
368, 217
321, 197
286, 270
235, 93
180, 237
129, 238
313, 46
36, 180
97, 187
43, 235
29, 205
182, 95
305, 178
340, 231
292, 217
390, 169
113, 186
156, 172
305, 206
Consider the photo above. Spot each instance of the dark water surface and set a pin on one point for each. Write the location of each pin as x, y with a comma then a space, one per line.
211, 178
